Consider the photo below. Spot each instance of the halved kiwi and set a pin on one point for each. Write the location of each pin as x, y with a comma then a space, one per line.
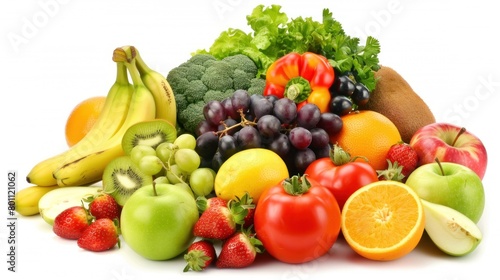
151, 133
121, 178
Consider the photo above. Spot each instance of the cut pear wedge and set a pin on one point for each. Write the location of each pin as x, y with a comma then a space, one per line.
58, 200
451, 231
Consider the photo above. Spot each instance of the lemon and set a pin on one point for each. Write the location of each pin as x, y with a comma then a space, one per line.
252, 170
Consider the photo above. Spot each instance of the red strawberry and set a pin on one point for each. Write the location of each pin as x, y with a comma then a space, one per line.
101, 235
200, 255
71, 222
402, 160
204, 203
238, 251
219, 222
103, 205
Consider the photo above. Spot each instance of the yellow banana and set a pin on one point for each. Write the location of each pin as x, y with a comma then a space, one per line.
89, 167
160, 88
110, 120
26, 200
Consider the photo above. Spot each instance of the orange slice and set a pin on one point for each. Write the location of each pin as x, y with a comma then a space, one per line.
383, 220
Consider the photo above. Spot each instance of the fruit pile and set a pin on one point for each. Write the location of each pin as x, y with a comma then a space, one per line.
316, 153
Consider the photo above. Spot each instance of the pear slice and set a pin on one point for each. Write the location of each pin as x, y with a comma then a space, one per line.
451, 231
57, 200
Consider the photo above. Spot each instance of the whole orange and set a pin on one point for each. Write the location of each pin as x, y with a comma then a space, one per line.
82, 118
368, 134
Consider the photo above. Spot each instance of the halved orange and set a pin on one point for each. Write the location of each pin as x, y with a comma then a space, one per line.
383, 220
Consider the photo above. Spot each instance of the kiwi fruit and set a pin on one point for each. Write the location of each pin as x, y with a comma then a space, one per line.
394, 98
121, 178
151, 133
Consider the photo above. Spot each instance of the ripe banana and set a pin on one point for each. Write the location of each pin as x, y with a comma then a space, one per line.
89, 167
160, 88
109, 122
26, 200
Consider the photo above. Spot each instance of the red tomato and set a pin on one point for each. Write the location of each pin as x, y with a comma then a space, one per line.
341, 180
297, 228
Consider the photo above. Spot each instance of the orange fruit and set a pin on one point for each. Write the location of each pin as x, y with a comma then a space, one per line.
82, 118
367, 134
383, 220
252, 170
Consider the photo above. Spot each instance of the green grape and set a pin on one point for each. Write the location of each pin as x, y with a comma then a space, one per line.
175, 174
188, 160
150, 165
202, 181
165, 152
140, 151
185, 141
161, 180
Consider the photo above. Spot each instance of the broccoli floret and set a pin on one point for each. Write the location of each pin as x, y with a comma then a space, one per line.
195, 91
191, 117
242, 62
217, 95
257, 86
203, 78
218, 76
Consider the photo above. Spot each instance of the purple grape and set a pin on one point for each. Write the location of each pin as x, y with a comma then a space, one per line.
331, 123
248, 137
207, 144
269, 126
308, 116
204, 126
319, 138
322, 152
261, 107
285, 110
280, 145
303, 158
230, 111
214, 112
300, 137
240, 100
227, 146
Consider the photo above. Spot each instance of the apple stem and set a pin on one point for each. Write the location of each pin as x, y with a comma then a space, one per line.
462, 130
440, 166
154, 189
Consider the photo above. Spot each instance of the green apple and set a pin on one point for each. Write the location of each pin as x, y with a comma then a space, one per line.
450, 184
157, 221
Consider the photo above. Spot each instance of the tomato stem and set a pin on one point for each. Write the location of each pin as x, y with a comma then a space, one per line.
296, 185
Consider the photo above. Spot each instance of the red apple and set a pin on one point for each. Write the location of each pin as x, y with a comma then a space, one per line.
450, 143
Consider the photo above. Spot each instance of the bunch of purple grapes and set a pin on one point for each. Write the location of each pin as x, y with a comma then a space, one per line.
245, 121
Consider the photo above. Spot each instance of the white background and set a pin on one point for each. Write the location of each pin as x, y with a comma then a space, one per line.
56, 53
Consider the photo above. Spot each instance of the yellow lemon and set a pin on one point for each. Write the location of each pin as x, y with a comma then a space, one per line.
252, 170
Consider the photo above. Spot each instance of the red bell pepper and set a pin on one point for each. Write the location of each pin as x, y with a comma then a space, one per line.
304, 78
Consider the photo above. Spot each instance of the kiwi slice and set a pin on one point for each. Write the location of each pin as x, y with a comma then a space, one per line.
151, 133
121, 178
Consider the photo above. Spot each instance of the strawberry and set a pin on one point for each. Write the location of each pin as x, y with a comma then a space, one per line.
200, 255
204, 203
101, 235
238, 251
103, 205
72, 222
219, 222
402, 160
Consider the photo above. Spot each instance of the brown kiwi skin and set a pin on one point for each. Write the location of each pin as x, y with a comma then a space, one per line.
394, 98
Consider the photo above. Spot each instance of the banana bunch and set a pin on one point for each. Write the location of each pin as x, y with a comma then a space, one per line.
149, 96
